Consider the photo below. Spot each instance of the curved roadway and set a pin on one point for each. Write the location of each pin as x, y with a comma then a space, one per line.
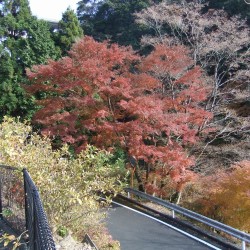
135, 231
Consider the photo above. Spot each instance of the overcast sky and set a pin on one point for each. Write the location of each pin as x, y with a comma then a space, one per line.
51, 9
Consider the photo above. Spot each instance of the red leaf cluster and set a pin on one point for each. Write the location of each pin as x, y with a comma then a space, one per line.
108, 96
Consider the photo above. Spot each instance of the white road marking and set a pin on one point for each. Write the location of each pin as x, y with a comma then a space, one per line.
168, 225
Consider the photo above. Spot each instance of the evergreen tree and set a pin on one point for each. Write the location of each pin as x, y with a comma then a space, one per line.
69, 30
112, 19
24, 42
13, 100
38, 46
233, 7
86, 12
15, 17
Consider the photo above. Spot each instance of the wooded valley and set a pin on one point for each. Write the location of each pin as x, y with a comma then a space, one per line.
146, 93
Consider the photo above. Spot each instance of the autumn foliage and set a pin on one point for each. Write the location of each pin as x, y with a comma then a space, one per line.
109, 96
69, 187
228, 198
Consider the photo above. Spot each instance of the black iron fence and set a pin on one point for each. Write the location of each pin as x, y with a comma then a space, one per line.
21, 208
12, 198
40, 236
89, 242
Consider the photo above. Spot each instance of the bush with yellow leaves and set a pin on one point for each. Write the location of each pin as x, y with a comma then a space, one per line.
69, 186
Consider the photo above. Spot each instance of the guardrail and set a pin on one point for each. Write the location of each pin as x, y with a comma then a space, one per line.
244, 237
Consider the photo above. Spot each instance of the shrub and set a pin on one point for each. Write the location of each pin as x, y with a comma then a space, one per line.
69, 186
226, 196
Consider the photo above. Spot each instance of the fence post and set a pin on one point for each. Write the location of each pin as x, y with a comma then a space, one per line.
243, 245
173, 214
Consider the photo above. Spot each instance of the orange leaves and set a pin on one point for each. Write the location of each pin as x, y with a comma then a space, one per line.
227, 199
106, 95
144, 82
164, 59
93, 55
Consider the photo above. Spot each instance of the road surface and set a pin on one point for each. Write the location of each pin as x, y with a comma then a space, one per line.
135, 231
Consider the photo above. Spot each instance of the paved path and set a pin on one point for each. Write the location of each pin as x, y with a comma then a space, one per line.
137, 232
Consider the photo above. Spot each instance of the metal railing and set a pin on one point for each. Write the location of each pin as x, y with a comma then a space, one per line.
40, 236
12, 201
21, 208
244, 237
89, 242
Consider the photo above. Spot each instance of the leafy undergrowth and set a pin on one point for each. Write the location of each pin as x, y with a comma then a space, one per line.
225, 196
69, 186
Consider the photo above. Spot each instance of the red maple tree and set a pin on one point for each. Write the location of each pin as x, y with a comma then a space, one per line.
108, 96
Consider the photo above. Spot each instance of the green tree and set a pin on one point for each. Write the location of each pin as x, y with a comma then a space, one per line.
15, 17
69, 30
27, 39
38, 46
86, 12
233, 7
24, 42
8, 100
112, 19
13, 100
6, 67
